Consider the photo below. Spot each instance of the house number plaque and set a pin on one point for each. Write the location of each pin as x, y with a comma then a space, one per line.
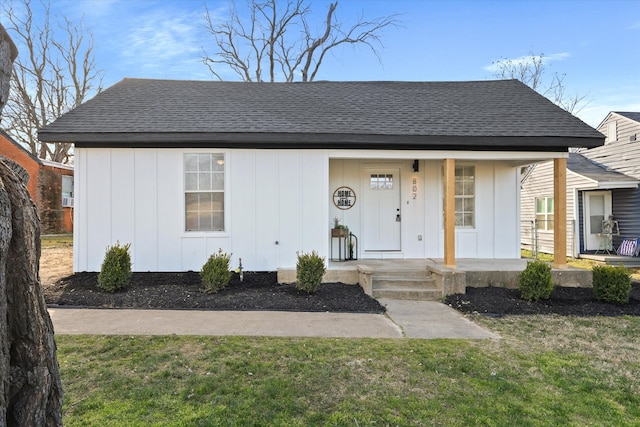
344, 198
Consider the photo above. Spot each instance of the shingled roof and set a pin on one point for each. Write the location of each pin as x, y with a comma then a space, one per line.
605, 177
478, 115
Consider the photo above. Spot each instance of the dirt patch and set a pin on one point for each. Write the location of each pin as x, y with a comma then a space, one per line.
55, 263
563, 301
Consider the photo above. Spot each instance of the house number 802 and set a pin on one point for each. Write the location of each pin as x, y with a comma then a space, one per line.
414, 189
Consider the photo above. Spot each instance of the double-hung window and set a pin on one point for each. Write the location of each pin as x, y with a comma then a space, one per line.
204, 192
544, 213
465, 196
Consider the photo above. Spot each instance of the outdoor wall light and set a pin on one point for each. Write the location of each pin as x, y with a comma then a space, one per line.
416, 165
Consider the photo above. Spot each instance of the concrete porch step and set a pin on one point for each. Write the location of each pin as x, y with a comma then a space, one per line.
417, 285
408, 294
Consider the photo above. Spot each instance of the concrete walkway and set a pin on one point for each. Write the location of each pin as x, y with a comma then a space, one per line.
410, 319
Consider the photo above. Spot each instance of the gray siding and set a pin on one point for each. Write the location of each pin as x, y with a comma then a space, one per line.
626, 210
621, 155
540, 184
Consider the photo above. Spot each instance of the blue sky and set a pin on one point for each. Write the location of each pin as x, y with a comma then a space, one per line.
596, 44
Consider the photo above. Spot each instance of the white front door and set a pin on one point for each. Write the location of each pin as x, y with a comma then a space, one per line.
381, 216
597, 208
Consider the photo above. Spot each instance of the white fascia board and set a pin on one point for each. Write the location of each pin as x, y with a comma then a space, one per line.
613, 185
593, 184
46, 162
517, 157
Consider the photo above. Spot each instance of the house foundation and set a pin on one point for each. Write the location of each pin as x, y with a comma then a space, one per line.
431, 279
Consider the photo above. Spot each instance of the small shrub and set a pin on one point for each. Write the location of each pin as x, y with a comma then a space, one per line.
215, 273
611, 284
115, 272
309, 271
536, 281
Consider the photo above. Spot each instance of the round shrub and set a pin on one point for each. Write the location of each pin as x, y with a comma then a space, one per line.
215, 273
611, 284
536, 281
309, 271
115, 272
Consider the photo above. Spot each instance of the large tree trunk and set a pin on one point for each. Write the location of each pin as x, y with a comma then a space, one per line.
31, 387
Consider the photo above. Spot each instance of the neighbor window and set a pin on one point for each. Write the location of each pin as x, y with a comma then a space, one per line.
544, 213
67, 186
204, 192
67, 191
465, 196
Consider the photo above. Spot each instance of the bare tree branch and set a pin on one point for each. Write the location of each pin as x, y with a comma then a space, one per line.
280, 39
532, 71
51, 76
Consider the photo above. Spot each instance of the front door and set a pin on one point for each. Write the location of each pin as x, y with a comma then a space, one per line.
381, 215
597, 208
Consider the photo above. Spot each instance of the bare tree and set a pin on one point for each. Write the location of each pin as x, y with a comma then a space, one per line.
51, 76
277, 42
532, 70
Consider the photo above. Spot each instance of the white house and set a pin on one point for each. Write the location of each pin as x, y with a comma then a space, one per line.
182, 168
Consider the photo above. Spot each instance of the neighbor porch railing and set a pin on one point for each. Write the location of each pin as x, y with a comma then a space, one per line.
537, 236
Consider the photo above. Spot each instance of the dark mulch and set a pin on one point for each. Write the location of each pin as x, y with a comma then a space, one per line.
564, 301
258, 291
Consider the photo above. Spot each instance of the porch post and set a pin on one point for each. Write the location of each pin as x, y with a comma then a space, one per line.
560, 213
449, 213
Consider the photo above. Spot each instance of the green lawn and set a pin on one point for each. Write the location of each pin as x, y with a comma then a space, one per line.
56, 240
544, 371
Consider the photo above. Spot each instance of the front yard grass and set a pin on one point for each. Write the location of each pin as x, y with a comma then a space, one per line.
545, 370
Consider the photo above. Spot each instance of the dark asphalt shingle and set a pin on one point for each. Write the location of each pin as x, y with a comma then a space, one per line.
501, 108
583, 166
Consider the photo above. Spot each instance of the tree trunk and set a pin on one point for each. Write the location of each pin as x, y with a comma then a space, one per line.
31, 387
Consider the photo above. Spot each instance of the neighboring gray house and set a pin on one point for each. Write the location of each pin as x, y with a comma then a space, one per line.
601, 182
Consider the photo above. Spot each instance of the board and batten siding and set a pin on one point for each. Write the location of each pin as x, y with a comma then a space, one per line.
540, 184
495, 234
273, 208
277, 202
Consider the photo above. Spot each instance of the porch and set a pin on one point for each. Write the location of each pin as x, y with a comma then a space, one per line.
613, 259
429, 279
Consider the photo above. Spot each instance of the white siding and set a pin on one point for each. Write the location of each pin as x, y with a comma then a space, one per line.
494, 236
277, 202
136, 196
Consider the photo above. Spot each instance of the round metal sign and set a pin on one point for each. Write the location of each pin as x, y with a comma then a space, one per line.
344, 198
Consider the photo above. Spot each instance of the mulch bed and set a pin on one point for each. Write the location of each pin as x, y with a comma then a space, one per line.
564, 301
258, 291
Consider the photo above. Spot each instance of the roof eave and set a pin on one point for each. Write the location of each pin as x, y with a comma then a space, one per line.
318, 141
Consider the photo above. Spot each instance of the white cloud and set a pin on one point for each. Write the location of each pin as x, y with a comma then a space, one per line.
527, 59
